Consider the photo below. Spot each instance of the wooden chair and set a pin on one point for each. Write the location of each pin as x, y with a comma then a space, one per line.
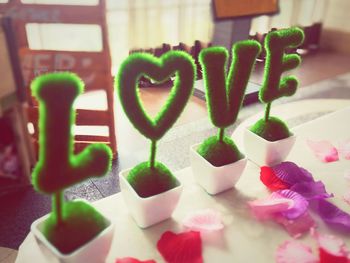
93, 67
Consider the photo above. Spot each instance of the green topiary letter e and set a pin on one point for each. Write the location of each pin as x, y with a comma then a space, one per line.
274, 86
277, 62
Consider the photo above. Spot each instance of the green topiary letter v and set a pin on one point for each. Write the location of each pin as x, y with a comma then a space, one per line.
151, 178
70, 224
225, 95
274, 86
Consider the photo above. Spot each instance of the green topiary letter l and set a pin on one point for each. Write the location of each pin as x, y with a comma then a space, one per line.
58, 167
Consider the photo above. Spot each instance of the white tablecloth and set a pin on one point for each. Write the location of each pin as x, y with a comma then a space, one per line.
244, 239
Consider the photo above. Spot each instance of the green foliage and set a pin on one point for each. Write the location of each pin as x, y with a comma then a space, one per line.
58, 167
158, 69
81, 223
276, 42
224, 95
272, 130
148, 181
219, 153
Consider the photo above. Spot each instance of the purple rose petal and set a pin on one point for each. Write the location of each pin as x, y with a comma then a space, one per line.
332, 215
291, 173
300, 204
311, 190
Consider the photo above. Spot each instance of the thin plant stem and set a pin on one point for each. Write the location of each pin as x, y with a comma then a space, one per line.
57, 199
153, 154
267, 111
221, 134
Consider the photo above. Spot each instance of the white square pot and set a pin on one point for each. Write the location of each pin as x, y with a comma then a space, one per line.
212, 178
94, 251
264, 152
149, 210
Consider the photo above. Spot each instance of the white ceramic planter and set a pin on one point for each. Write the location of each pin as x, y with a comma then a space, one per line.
149, 210
266, 153
212, 178
95, 251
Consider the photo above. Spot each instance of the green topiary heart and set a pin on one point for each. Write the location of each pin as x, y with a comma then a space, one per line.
158, 69
151, 178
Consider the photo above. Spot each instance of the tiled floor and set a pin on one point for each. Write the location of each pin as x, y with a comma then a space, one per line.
20, 209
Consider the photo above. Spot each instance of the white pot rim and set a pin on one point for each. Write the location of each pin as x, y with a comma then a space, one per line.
125, 172
267, 141
36, 231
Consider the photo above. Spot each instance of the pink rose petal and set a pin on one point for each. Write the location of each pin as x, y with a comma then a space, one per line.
344, 149
297, 227
268, 207
331, 249
294, 252
204, 220
299, 207
324, 151
346, 198
132, 260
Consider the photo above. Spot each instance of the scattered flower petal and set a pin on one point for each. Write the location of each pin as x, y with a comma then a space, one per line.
344, 149
268, 207
300, 204
297, 227
346, 198
290, 173
332, 215
331, 249
204, 220
311, 190
132, 260
270, 180
295, 252
181, 248
324, 151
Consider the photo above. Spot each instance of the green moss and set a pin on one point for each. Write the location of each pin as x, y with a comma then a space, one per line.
272, 130
277, 62
224, 94
81, 223
148, 181
219, 153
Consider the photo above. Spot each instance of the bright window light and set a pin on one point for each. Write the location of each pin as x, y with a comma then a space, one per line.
61, 2
64, 37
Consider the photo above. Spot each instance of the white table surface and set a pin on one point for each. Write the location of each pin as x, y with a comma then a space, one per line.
243, 239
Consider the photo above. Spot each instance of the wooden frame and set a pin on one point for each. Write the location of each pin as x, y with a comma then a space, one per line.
100, 62
13, 108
